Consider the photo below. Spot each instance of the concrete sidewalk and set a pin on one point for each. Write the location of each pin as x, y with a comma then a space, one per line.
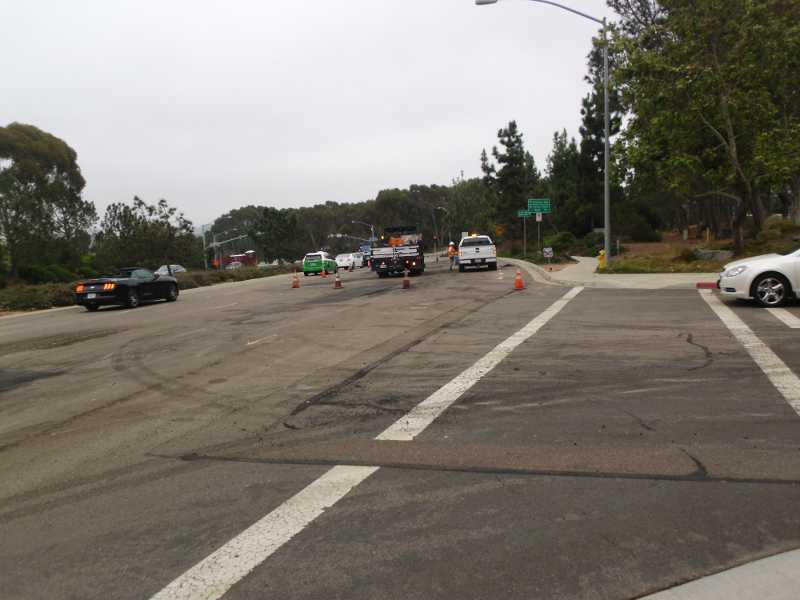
773, 578
583, 273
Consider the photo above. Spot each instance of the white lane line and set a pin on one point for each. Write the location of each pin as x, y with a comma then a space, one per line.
786, 317
423, 414
216, 574
781, 376
212, 577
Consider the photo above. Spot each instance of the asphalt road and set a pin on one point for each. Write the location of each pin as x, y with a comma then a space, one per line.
602, 444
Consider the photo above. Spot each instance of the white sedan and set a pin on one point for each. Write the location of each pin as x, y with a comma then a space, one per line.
770, 279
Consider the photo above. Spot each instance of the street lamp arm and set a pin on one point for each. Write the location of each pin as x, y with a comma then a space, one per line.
572, 10
551, 3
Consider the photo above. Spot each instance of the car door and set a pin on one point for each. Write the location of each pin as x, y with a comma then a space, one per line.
146, 284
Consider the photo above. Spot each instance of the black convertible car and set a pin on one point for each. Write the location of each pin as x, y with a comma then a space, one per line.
130, 287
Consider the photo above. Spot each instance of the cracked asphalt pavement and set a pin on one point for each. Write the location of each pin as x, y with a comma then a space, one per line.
629, 444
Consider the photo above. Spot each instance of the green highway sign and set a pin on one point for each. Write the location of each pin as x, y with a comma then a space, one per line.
539, 205
524, 213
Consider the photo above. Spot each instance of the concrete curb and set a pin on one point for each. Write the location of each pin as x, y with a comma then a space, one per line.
538, 274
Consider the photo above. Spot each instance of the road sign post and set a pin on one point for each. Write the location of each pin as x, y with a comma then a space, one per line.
524, 214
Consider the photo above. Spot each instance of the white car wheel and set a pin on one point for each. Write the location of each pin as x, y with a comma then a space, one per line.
771, 290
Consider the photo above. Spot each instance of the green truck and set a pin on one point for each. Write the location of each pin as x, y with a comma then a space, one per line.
317, 262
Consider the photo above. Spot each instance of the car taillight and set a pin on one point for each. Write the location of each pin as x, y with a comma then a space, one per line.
109, 286
79, 289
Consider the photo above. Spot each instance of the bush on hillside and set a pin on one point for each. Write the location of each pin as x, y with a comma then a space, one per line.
46, 274
561, 243
31, 297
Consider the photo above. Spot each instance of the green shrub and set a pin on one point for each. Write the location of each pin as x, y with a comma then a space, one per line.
561, 243
30, 297
46, 274
686, 255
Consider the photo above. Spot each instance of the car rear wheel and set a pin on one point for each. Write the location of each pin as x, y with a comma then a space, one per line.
771, 290
91, 307
172, 293
132, 301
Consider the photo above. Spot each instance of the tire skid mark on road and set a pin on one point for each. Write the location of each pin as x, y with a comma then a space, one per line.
781, 376
212, 577
223, 306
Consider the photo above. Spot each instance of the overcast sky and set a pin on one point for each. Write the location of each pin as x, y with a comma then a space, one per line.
215, 105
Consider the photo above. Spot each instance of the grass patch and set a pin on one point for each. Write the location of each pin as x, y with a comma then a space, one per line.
51, 295
660, 264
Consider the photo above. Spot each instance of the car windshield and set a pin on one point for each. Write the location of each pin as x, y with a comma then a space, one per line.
477, 241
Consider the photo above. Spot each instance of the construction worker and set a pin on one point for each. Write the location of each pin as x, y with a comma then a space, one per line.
452, 252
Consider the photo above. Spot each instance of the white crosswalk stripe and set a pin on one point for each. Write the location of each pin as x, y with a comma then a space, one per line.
785, 317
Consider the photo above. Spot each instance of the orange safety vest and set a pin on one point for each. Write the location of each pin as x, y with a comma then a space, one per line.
452, 251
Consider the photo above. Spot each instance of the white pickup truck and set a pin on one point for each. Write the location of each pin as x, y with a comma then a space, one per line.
477, 251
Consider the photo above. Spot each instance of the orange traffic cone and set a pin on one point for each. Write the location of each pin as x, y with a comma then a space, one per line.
295, 281
406, 281
518, 283
337, 283
324, 273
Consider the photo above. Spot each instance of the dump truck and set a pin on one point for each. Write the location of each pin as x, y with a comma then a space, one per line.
399, 249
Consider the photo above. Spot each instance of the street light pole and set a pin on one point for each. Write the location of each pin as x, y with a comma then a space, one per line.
371, 229
606, 151
606, 118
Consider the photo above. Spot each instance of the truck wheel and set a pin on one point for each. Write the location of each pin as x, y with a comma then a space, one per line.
493, 266
91, 307
461, 268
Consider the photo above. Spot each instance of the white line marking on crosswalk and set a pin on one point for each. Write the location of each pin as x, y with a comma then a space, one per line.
781, 376
786, 317
424, 413
216, 574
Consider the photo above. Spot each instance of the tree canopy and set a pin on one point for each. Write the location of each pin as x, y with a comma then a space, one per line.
43, 218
